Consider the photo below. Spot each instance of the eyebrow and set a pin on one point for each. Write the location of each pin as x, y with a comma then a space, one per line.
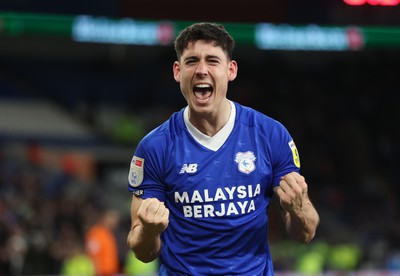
213, 56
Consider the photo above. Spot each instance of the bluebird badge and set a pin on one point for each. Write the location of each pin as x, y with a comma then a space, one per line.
245, 161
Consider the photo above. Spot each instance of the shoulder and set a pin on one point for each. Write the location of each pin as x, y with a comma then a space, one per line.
165, 133
255, 119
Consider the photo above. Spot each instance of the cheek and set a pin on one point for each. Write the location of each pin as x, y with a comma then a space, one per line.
183, 93
223, 82
223, 90
185, 89
184, 77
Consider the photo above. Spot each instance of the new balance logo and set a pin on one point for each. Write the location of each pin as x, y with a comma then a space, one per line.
188, 168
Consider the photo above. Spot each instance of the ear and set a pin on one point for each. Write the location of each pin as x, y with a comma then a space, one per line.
233, 69
177, 71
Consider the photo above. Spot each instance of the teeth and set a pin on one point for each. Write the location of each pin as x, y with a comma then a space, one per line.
203, 86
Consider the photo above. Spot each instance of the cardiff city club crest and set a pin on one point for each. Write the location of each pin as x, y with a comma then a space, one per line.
245, 161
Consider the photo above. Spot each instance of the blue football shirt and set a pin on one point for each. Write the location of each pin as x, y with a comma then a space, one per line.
217, 191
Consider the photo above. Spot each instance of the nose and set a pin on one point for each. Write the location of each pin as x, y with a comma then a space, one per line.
201, 69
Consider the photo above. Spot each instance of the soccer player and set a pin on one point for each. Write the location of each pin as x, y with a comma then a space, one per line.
203, 180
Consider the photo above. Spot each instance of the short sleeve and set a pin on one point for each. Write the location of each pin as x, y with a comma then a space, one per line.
145, 173
285, 156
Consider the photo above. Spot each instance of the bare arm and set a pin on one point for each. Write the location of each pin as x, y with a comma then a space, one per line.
149, 219
299, 215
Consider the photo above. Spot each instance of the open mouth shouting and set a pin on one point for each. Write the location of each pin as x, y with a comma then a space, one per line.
203, 92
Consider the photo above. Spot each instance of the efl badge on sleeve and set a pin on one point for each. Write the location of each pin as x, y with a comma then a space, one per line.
136, 171
295, 153
245, 161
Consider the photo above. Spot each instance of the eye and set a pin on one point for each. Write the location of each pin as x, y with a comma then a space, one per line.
190, 62
214, 61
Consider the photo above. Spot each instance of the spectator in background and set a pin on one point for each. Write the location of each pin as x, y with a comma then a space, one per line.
101, 245
76, 261
135, 267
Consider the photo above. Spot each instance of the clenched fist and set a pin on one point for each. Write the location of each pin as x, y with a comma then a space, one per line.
293, 192
300, 217
153, 215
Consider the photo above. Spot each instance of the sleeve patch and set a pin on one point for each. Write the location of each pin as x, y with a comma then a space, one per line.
295, 153
136, 172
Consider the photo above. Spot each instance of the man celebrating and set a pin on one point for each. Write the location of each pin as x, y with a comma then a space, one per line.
203, 180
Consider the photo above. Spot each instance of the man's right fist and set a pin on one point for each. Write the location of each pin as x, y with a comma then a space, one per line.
153, 215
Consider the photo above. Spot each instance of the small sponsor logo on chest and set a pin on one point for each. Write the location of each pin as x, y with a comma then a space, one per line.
188, 168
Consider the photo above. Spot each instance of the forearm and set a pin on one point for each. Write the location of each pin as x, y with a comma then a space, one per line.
146, 247
302, 224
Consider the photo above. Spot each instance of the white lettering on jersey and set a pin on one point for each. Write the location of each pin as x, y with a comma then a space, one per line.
221, 194
224, 209
242, 194
188, 168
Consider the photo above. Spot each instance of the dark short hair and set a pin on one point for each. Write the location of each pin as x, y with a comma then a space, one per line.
210, 32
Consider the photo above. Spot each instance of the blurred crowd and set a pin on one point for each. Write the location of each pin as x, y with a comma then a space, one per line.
58, 211
55, 219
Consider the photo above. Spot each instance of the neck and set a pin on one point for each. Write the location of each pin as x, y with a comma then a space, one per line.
211, 123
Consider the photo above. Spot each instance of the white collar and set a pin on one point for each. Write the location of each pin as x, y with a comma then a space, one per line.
216, 141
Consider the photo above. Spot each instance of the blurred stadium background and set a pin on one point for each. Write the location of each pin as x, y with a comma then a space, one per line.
74, 101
